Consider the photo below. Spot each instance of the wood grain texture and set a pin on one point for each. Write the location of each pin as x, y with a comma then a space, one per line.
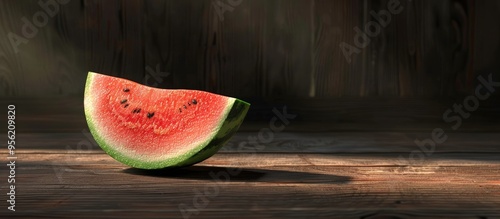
394, 143
64, 184
175, 43
114, 43
259, 49
484, 45
360, 170
333, 23
48, 61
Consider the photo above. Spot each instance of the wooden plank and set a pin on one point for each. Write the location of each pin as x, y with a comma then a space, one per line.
287, 48
415, 67
78, 158
259, 34
96, 187
484, 42
114, 38
48, 58
69, 55
463, 17
390, 64
265, 50
401, 143
176, 40
334, 73
9, 64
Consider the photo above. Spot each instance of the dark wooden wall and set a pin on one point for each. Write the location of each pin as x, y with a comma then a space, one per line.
260, 49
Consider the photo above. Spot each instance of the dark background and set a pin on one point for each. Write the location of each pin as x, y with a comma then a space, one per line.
272, 53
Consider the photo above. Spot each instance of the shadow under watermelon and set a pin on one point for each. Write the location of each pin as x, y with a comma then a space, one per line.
222, 174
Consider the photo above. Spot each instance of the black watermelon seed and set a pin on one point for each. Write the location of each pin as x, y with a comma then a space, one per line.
150, 115
136, 110
125, 106
189, 103
126, 90
123, 101
180, 110
185, 107
194, 101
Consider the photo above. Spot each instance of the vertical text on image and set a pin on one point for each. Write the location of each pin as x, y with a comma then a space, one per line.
11, 157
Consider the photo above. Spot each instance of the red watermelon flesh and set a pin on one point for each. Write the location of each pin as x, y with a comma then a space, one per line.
153, 128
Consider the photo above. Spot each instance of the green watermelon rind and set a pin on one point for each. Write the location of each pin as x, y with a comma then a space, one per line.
229, 127
230, 123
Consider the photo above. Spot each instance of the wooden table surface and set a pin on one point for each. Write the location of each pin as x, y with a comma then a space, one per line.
265, 185
328, 174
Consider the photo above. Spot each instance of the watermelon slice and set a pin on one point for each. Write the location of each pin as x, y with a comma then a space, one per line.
151, 128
